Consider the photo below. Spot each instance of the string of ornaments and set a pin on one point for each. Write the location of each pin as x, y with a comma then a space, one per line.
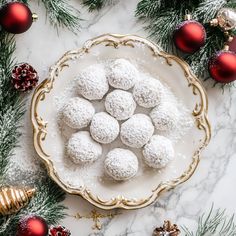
190, 35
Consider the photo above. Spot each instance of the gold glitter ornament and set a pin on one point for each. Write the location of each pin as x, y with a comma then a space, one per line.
167, 229
12, 199
225, 18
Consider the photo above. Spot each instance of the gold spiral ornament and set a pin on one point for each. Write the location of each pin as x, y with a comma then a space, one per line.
12, 199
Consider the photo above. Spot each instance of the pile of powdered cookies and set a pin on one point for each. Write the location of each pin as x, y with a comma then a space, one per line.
122, 89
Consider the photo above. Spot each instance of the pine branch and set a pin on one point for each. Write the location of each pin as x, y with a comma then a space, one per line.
161, 18
44, 204
147, 8
214, 223
208, 9
155, 28
62, 14
11, 104
97, 4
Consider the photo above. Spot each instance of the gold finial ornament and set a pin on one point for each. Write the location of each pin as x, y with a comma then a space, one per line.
96, 217
12, 199
167, 229
226, 19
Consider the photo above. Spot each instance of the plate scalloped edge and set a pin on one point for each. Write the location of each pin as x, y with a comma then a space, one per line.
40, 126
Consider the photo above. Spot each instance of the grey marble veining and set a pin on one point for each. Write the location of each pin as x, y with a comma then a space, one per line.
215, 177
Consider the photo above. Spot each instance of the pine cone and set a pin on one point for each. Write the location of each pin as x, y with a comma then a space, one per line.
59, 231
167, 229
24, 77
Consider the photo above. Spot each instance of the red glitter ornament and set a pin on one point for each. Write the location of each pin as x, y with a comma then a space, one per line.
189, 36
59, 231
222, 67
24, 77
32, 226
16, 17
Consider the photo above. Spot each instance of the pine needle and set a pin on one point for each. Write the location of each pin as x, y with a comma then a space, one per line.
97, 4
215, 223
62, 14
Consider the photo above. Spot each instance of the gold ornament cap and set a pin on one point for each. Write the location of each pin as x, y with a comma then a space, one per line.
34, 17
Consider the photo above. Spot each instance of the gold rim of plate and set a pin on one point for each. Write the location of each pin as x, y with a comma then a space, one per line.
199, 113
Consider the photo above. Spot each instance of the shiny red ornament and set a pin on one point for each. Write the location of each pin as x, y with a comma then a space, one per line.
59, 231
24, 77
232, 45
189, 36
222, 67
15, 17
32, 226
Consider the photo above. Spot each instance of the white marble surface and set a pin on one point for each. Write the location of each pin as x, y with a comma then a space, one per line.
215, 177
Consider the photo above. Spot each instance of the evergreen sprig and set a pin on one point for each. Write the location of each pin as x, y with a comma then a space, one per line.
46, 203
62, 14
162, 17
11, 104
215, 223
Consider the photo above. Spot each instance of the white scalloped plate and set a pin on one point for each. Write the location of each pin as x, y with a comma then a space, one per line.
87, 182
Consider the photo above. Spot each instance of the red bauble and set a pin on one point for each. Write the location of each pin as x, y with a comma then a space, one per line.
222, 67
59, 231
15, 17
189, 36
32, 226
232, 45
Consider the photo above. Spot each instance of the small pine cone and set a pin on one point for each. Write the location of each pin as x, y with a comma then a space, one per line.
24, 77
167, 229
59, 231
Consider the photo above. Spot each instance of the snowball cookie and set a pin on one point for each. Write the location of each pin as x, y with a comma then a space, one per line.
77, 113
120, 104
121, 164
122, 74
104, 128
81, 148
136, 131
158, 152
92, 82
148, 92
165, 117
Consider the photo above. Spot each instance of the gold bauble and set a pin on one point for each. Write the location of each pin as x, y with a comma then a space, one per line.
226, 19
12, 199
